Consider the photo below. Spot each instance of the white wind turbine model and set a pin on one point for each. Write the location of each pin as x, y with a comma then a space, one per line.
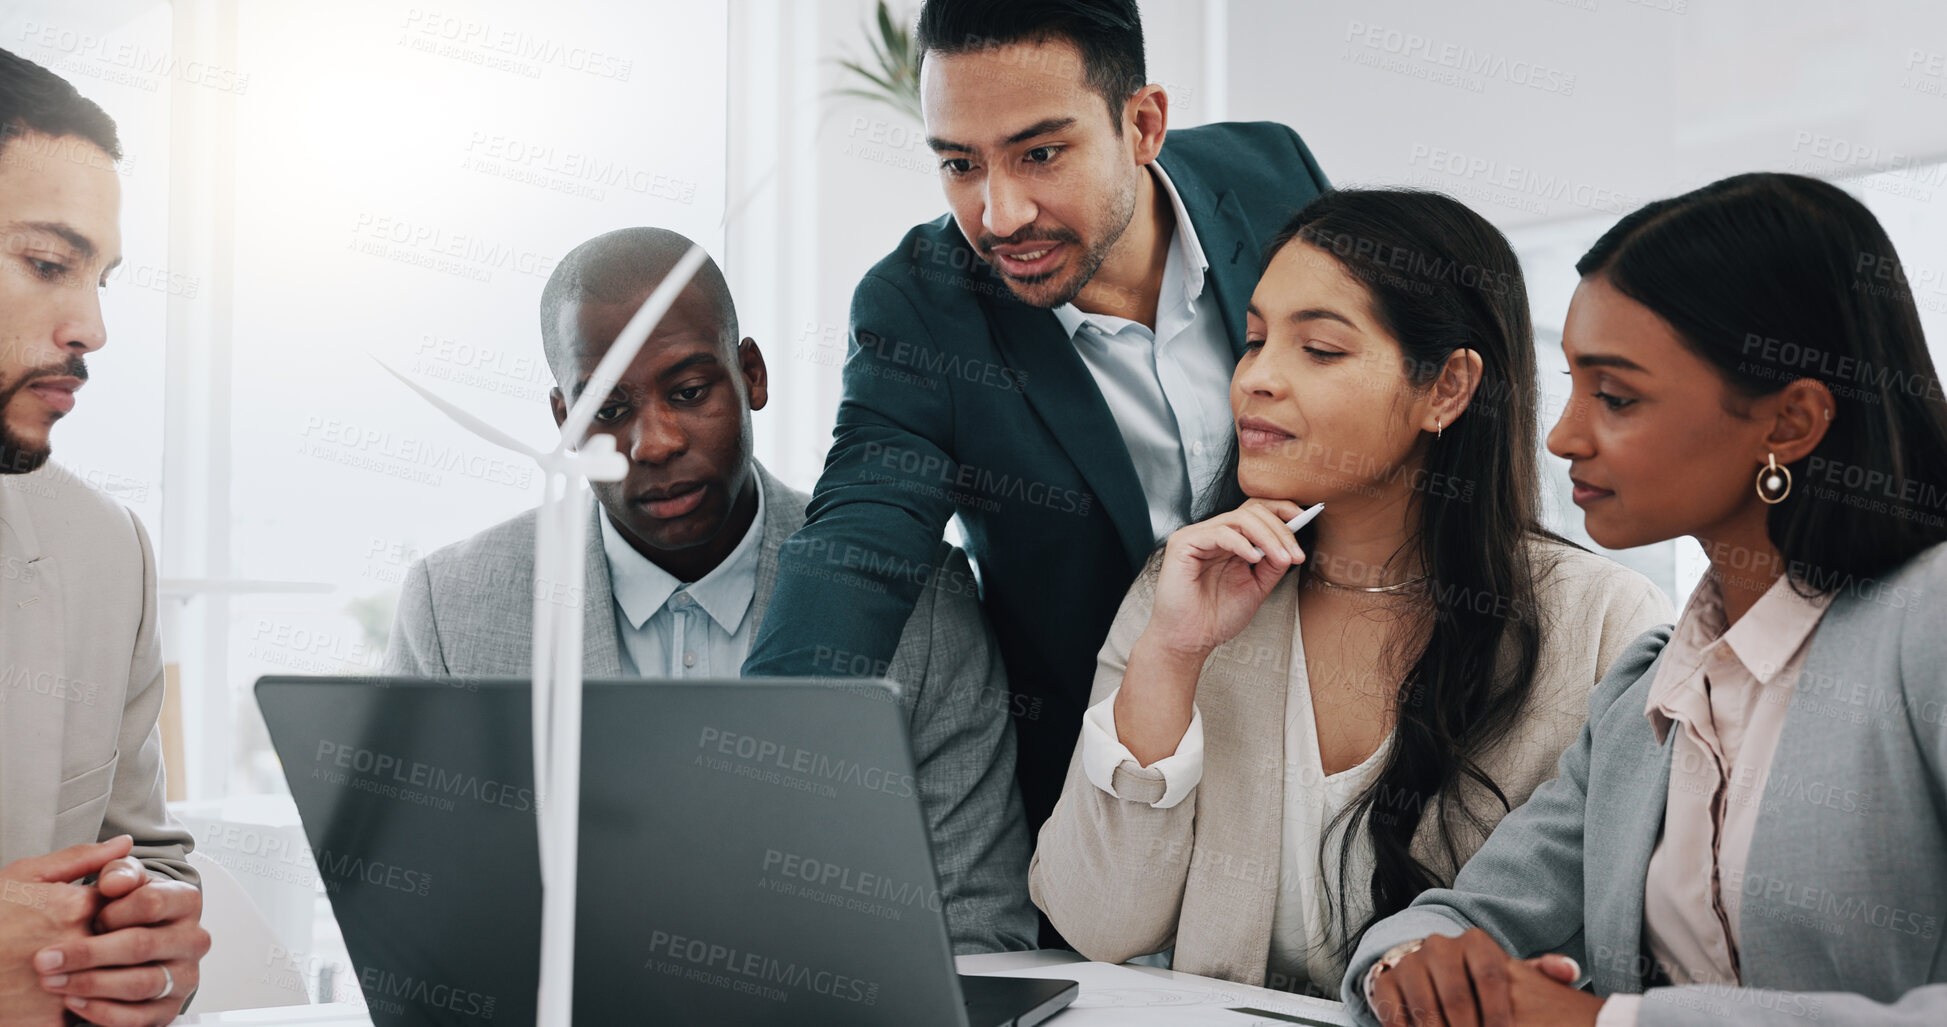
559, 537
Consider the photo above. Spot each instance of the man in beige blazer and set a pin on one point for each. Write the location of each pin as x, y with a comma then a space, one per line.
99, 911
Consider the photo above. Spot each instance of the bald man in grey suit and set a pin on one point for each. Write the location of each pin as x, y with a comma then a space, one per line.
681, 561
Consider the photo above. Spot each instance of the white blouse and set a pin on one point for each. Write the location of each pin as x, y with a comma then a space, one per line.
1305, 937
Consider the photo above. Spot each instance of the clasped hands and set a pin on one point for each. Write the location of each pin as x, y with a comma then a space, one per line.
121, 952
1469, 981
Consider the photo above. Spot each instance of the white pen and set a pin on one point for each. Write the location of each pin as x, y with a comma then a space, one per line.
1305, 518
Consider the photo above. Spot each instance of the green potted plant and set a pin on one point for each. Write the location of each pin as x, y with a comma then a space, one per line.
891, 75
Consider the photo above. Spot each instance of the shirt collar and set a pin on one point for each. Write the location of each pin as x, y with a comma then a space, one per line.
641, 588
1186, 256
1763, 641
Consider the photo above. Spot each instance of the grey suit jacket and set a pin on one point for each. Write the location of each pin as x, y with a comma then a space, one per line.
467, 610
80, 676
1845, 888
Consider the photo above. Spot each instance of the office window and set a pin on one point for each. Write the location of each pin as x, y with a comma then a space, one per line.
407, 179
1903, 198
310, 187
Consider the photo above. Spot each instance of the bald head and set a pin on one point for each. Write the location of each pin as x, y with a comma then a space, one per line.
622, 267
679, 412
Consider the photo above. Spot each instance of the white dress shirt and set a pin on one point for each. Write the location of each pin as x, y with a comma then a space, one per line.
674, 630
1168, 389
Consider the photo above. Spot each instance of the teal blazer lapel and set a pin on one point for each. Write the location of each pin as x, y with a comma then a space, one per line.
1233, 250
1060, 389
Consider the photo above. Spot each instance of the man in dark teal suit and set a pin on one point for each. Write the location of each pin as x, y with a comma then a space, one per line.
1050, 362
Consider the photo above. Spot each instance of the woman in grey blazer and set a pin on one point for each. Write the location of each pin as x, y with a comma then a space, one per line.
1752, 826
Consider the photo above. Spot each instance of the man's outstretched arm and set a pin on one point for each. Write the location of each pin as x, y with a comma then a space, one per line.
847, 581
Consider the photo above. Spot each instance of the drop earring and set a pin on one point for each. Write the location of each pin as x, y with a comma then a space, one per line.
1774, 482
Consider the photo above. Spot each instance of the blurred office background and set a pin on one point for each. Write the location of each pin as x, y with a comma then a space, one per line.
311, 186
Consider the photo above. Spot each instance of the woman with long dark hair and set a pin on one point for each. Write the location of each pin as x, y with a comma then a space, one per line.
1290, 736
1752, 827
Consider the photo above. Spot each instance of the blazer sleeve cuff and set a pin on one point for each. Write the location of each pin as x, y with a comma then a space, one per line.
1111, 767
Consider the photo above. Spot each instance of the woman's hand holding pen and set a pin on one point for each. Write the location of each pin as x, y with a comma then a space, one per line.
1215, 575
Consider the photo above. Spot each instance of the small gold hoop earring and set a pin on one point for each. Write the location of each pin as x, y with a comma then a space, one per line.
1774, 482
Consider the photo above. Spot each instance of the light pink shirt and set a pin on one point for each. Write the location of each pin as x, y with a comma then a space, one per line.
1725, 691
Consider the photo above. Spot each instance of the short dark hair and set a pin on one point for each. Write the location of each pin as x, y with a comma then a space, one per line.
1771, 278
1109, 34
614, 268
34, 99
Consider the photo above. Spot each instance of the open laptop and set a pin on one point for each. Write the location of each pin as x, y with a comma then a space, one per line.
751, 852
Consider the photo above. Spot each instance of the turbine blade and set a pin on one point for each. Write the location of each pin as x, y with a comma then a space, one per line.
626, 346
463, 418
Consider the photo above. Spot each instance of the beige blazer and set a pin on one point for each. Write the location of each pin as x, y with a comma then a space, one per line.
80, 676
1120, 878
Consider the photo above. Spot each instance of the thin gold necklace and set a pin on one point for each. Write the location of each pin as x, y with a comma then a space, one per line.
1369, 589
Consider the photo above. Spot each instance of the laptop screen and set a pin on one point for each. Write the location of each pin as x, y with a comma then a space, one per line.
751, 851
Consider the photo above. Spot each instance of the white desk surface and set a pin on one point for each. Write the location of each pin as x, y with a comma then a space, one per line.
1181, 998
334, 1014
